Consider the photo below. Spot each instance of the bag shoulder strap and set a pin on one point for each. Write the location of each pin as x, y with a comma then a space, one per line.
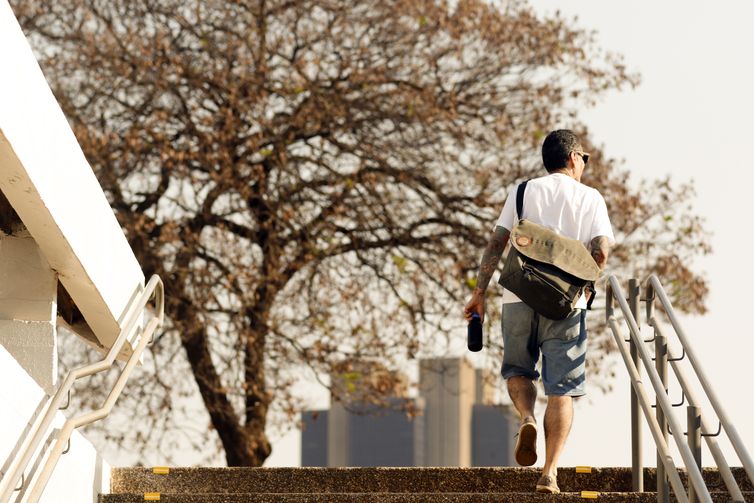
520, 199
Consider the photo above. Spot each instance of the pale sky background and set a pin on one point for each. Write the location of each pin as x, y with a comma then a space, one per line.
692, 117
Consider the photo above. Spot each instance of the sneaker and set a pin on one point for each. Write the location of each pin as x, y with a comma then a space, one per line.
548, 484
526, 445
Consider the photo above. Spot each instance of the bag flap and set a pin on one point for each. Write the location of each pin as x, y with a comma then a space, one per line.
543, 245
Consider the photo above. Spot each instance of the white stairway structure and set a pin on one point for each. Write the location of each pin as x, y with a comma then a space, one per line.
58, 236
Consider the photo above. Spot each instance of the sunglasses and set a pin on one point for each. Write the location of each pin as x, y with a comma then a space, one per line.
584, 156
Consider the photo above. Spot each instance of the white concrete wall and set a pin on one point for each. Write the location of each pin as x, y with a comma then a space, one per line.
81, 474
28, 308
46, 178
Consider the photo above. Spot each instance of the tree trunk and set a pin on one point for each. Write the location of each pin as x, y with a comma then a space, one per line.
240, 447
257, 398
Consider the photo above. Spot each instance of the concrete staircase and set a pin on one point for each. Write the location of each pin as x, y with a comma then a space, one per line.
392, 485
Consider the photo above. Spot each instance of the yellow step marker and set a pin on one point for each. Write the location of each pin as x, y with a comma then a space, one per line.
590, 495
583, 469
160, 470
151, 496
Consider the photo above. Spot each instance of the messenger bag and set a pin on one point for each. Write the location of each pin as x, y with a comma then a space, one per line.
547, 271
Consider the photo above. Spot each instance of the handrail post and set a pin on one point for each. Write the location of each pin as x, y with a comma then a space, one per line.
637, 469
694, 426
661, 364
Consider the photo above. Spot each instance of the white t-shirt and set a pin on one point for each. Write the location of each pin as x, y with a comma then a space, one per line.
562, 204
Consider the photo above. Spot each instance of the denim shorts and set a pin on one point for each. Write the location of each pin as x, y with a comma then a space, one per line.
562, 344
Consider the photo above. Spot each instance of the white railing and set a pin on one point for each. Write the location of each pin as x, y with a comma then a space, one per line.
33, 483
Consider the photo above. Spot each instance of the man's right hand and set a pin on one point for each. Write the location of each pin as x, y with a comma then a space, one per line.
490, 259
475, 305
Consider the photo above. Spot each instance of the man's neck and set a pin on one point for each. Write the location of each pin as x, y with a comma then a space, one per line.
570, 173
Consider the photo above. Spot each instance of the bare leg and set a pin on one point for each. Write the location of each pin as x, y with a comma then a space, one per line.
558, 419
523, 394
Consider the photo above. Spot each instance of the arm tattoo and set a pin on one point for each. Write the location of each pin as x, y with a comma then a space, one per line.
491, 256
600, 250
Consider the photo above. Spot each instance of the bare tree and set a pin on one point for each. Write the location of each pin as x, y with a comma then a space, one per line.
315, 180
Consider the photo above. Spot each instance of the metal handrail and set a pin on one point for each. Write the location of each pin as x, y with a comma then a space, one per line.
614, 292
655, 287
33, 438
725, 472
654, 427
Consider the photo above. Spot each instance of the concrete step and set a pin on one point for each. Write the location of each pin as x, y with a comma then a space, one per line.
383, 480
507, 497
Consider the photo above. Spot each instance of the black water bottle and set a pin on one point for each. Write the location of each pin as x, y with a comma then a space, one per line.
474, 337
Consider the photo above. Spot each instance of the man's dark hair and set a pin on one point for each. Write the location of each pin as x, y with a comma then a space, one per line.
557, 147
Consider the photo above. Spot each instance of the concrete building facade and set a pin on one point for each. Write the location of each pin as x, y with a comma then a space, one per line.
372, 436
492, 439
449, 389
456, 425
314, 439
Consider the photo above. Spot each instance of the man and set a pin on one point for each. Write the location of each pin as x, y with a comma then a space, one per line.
560, 202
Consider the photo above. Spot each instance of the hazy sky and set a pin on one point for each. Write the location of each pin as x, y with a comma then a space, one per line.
691, 117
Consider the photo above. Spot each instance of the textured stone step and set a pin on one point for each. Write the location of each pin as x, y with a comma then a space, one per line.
527, 497
382, 480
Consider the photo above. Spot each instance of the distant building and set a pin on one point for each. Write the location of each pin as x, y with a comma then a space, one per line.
373, 436
314, 438
449, 388
456, 425
492, 438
